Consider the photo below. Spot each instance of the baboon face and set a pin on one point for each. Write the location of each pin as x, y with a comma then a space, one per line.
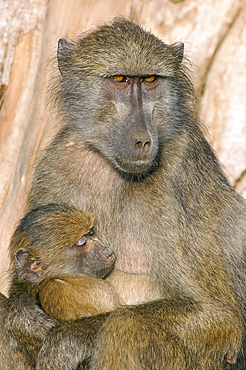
58, 240
117, 89
86, 258
91, 258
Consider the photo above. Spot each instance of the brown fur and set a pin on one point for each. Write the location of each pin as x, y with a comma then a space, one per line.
69, 298
10, 356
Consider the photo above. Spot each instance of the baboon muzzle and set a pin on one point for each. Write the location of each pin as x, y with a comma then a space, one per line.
136, 151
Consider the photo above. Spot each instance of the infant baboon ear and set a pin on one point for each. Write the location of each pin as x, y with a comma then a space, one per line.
29, 268
63, 54
21, 256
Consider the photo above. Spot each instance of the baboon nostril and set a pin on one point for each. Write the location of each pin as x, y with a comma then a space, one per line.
107, 254
143, 144
147, 144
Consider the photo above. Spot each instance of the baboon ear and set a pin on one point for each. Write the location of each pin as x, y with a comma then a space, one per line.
179, 51
63, 54
29, 268
21, 256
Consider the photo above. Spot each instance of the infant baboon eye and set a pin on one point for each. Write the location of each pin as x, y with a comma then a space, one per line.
149, 79
82, 241
120, 78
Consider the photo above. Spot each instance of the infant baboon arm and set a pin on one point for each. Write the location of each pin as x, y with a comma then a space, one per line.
69, 298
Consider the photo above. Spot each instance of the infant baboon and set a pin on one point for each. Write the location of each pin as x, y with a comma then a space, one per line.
137, 159
58, 262
60, 265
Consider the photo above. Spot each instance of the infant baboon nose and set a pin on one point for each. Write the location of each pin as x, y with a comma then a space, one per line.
107, 254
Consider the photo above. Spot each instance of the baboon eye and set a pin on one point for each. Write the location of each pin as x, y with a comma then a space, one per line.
82, 241
149, 79
120, 78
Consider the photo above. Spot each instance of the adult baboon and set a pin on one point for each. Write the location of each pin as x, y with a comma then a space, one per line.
131, 151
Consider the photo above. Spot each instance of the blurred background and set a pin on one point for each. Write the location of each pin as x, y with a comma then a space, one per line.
214, 33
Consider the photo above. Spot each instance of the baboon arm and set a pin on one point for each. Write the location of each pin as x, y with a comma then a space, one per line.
70, 298
69, 344
27, 323
170, 332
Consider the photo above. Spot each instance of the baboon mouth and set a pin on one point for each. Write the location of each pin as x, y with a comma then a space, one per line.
136, 167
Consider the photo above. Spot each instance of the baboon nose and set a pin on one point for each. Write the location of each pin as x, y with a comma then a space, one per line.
143, 145
107, 254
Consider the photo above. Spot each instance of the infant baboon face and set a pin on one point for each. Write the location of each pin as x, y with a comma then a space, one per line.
59, 240
93, 258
